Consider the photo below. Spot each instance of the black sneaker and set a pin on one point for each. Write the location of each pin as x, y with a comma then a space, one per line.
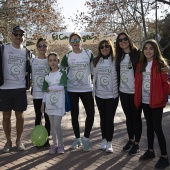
128, 146
147, 155
162, 163
134, 150
47, 145
39, 147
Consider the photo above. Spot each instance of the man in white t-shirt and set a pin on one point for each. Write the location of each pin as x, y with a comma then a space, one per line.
13, 89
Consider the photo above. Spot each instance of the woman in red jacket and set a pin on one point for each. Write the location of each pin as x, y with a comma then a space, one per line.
151, 89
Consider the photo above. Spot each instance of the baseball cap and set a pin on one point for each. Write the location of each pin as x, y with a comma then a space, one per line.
17, 28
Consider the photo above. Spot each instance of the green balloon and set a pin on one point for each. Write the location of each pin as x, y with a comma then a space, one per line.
39, 135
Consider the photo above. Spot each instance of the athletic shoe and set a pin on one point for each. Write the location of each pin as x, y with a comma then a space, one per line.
162, 163
47, 145
147, 155
20, 146
86, 144
109, 148
103, 144
53, 149
77, 142
7, 147
39, 147
134, 150
60, 149
128, 146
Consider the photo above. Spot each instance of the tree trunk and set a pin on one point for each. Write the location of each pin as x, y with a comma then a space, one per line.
143, 18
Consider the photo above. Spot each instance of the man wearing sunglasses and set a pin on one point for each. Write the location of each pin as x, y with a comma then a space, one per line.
13, 87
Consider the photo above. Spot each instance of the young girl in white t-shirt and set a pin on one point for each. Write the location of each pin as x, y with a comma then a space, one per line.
54, 101
151, 90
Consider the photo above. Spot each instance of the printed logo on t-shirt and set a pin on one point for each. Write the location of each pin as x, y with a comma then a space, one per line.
126, 77
39, 81
53, 102
146, 87
104, 82
79, 77
15, 62
77, 70
14, 72
39, 73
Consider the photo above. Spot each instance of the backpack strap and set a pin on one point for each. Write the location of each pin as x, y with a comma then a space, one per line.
87, 52
28, 69
67, 70
2, 49
1, 67
91, 58
63, 80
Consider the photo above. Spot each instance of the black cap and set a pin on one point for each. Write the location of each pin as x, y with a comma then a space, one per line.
17, 28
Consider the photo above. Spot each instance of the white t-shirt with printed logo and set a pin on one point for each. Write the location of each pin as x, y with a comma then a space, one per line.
146, 76
126, 76
104, 83
40, 69
79, 74
14, 67
54, 100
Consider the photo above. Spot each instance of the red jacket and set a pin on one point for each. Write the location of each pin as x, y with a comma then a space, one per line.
159, 87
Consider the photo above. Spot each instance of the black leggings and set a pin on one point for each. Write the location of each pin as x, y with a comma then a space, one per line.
154, 124
38, 115
107, 109
133, 116
88, 102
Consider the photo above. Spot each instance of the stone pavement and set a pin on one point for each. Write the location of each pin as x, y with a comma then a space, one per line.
32, 159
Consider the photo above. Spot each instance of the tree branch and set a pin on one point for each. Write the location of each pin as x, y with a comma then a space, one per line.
163, 49
166, 2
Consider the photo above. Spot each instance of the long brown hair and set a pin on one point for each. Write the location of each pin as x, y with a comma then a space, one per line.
119, 50
157, 56
99, 54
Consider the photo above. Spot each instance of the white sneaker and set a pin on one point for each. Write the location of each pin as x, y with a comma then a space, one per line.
103, 144
77, 142
86, 144
109, 147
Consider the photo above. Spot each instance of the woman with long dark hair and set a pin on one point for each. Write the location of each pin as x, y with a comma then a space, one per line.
127, 57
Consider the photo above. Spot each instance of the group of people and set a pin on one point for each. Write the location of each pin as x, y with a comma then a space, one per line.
138, 77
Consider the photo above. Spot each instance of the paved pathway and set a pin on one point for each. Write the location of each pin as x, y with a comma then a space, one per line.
33, 159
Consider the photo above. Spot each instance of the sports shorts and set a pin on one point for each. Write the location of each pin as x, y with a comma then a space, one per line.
13, 99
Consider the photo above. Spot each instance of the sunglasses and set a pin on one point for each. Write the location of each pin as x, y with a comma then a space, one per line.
16, 35
44, 46
123, 39
105, 46
75, 40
